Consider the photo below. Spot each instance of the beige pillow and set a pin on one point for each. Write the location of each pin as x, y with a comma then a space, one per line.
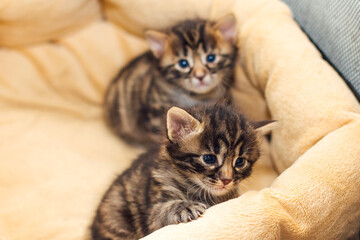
57, 156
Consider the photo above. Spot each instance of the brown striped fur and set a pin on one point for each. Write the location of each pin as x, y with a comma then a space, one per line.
173, 183
148, 86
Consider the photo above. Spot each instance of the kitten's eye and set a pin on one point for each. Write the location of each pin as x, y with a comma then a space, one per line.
210, 58
240, 162
183, 63
209, 159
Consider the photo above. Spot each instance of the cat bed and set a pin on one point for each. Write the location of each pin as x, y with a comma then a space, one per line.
57, 156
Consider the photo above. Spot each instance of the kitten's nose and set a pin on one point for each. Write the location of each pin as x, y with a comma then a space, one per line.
225, 181
200, 73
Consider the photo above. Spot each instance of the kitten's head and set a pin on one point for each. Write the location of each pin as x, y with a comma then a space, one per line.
197, 55
215, 147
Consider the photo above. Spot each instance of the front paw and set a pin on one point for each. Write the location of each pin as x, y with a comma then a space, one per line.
188, 211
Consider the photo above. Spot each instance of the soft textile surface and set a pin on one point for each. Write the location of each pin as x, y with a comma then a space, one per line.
57, 156
334, 27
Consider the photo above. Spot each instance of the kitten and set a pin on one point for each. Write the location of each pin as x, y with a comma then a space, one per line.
190, 64
207, 151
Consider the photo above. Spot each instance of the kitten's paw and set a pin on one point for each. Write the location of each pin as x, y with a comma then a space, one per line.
188, 211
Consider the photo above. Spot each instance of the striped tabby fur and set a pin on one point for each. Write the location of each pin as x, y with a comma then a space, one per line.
190, 64
206, 153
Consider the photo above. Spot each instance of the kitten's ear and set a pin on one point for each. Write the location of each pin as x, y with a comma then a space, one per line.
227, 27
264, 127
157, 42
181, 125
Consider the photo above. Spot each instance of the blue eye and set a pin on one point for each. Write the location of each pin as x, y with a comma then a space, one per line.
183, 63
210, 58
240, 162
209, 159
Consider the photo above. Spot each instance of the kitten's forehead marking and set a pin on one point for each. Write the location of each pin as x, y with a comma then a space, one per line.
222, 154
200, 48
201, 39
194, 35
191, 56
197, 62
227, 170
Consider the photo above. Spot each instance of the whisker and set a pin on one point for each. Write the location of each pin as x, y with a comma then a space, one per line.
241, 185
194, 188
210, 196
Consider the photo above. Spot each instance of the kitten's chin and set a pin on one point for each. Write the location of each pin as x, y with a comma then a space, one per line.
219, 191
203, 89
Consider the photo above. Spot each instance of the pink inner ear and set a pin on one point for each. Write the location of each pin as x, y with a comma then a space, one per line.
180, 124
228, 33
228, 29
157, 44
178, 127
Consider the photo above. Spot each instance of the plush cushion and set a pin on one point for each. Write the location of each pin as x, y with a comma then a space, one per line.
334, 27
57, 156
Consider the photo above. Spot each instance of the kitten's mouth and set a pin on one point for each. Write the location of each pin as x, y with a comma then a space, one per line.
219, 190
202, 87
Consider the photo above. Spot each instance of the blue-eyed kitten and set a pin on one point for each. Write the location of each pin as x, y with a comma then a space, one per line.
205, 153
190, 64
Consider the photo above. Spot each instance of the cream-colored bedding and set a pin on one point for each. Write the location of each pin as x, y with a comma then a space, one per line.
57, 156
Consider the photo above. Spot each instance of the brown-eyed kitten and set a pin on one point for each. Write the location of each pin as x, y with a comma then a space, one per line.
207, 151
189, 64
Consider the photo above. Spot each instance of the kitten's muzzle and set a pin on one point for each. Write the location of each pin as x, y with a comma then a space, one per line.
200, 73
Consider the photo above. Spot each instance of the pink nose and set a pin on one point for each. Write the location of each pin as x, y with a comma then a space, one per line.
200, 74
225, 181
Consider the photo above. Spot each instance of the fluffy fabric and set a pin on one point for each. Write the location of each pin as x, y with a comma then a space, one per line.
57, 156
